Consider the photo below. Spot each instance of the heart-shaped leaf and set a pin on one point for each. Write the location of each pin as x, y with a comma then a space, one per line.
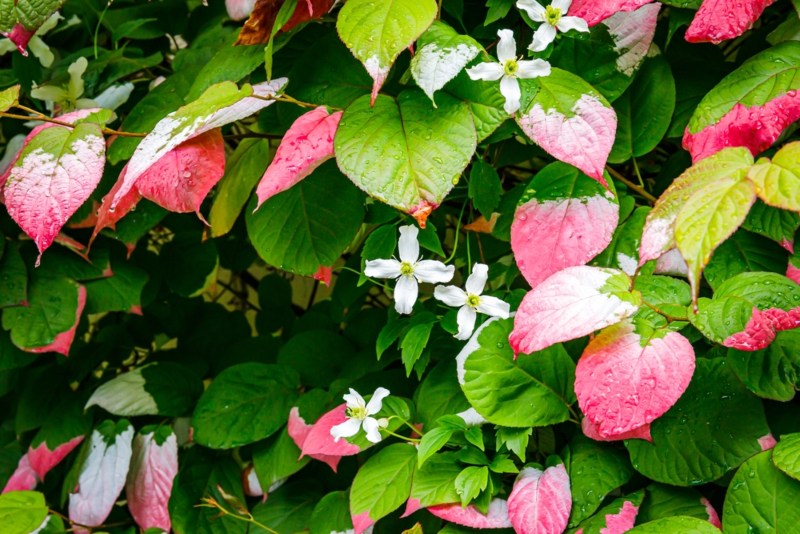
540, 500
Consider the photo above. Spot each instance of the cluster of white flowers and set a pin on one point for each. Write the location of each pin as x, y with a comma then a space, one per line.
509, 67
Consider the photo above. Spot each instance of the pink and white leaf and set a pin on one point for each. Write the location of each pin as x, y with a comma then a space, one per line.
623, 382
622, 521
594, 11
149, 483
570, 304
42, 459
63, 340
591, 431
182, 178
299, 431
101, 479
306, 145
583, 140
719, 20
496, 516
548, 236
319, 439
540, 501
23, 478
632, 33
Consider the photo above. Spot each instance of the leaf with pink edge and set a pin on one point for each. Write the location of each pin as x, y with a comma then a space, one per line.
778, 181
773, 223
377, 33
624, 380
571, 121
770, 373
594, 11
667, 501
496, 515
720, 20
570, 304
658, 237
307, 144
565, 219
42, 459
219, 105
154, 464
617, 517
750, 107
382, 484
540, 501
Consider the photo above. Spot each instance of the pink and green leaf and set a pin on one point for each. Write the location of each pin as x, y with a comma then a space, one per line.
720, 20
540, 501
495, 517
594, 11
154, 465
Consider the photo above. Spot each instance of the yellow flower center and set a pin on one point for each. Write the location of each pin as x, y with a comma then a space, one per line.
357, 412
511, 67
406, 269
473, 301
552, 15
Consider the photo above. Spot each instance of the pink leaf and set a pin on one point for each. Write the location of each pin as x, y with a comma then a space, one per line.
63, 341
754, 128
54, 173
671, 262
496, 517
591, 430
718, 20
570, 304
622, 521
713, 517
320, 441
20, 37
106, 217
632, 34
182, 178
761, 328
412, 505
361, 522
42, 459
324, 275
583, 140
299, 431
594, 11
149, 484
767, 442
23, 478
623, 381
540, 501
305, 146
547, 236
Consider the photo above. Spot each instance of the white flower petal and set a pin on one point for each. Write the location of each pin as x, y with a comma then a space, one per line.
346, 429
371, 429
509, 88
450, 295
534, 9
408, 246
376, 402
507, 46
562, 5
566, 24
488, 72
466, 322
353, 399
477, 280
433, 272
534, 68
543, 36
382, 268
494, 306
405, 294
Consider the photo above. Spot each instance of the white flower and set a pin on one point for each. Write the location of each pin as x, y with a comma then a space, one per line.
358, 415
471, 301
553, 17
509, 69
409, 270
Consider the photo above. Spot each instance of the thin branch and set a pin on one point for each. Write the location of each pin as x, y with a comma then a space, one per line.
613, 172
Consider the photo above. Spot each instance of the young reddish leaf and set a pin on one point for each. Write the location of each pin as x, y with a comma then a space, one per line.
55, 172
305, 146
540, 501
568, 221
570, 304
23, 478
149, 483
219, 105
240, 9
258, 28
623, 381
713, 516
102, 474
495, 517
63, 340
718, 20
319, 440
632, 33
182, 178
107, 217
591, 430
594, 11
572, 123
42, 459
298, 430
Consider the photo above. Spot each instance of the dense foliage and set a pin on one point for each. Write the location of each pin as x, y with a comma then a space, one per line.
399, 266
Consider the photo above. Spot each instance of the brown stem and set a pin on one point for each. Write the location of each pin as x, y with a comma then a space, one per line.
613, 172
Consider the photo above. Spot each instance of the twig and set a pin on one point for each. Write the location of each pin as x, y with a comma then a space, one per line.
635, 187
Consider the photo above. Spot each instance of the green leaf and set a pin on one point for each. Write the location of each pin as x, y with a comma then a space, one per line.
122, 291
432, 442
484, 100
665, 501
13, 277
595, 470
484, 187
229, 63
189, 264
534, 390
244, 403
515, 440
786, 455
242, 171
289, 508
776, 224
309, 225
761, 498
682, 524
600, 523
712, 429
33, 13
744, 252
22, 512
778, 181
439, 394
435, 482
331, 514
404, 152
441, 54
377, 33
644, 111
9, 98
471, 482
384, 482
770, 373
413, 343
